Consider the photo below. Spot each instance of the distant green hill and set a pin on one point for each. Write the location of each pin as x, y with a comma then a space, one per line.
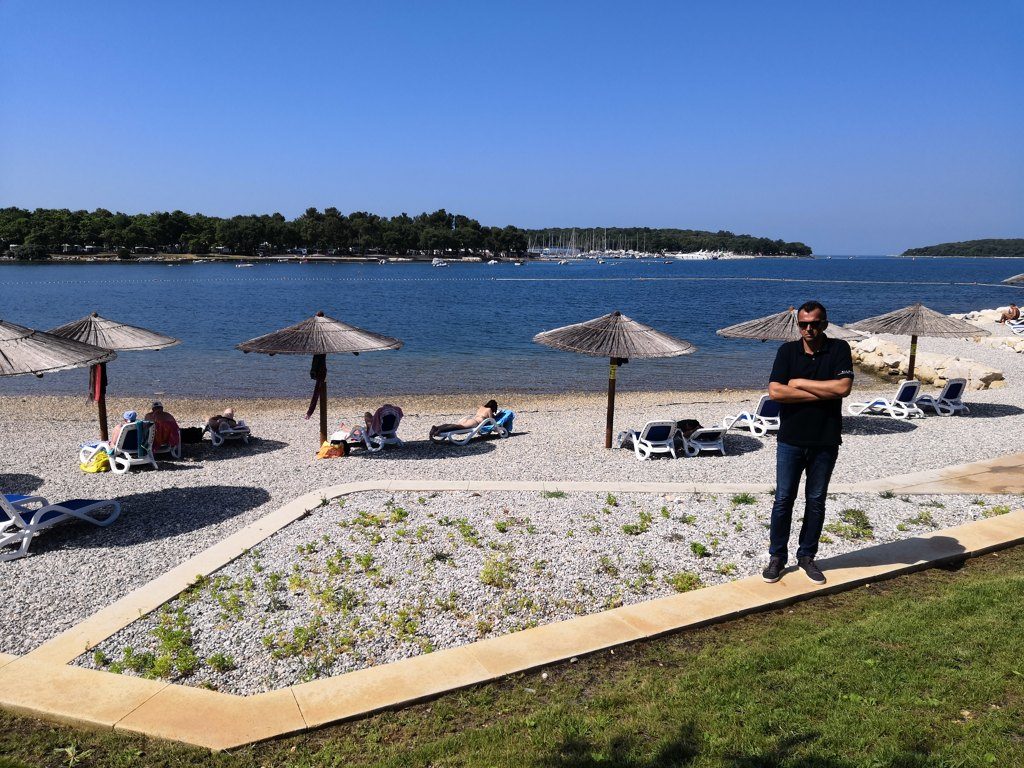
976, 248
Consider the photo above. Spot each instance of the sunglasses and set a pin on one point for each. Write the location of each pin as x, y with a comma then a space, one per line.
815, 324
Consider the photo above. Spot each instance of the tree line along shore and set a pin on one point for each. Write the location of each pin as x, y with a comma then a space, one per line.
1006, 248
40, 233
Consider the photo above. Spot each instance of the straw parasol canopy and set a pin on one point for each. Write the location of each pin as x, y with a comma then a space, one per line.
918, 320
110, 334
319, 336
1015, 280
780, 327
24, 351
619, 338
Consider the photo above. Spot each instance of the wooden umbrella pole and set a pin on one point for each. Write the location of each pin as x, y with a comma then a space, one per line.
913, 357
101, 402
611, 402
323, 410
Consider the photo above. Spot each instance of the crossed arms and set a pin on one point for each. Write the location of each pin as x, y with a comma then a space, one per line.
809, 390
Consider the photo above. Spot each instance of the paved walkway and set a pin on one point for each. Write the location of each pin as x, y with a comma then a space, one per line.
1002, 475
42, 684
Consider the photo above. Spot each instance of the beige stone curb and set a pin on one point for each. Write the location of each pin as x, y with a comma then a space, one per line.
40, 683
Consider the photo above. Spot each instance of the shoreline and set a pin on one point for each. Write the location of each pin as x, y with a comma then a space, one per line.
77, 407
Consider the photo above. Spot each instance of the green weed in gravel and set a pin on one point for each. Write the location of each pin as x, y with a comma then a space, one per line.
683, 581
497, 572
854, 525
996, 510
641, 526
700, 550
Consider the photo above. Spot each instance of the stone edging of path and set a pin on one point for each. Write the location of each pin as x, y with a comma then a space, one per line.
41, 684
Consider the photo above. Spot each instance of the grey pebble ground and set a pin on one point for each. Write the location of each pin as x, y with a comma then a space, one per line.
385, 576
171, 514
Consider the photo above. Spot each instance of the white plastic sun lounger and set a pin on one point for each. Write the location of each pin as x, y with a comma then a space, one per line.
372, 441
501, 426
23, 517
238, 432
902, 406
174, 449
764, 419
705, 439
134, 448
359, 437
655, 437
949, 401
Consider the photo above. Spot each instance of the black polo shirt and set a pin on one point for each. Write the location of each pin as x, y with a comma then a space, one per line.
817, 423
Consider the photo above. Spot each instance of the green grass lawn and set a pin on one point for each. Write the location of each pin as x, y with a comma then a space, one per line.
924, 670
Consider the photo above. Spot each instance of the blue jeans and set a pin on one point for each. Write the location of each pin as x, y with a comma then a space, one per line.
791, 461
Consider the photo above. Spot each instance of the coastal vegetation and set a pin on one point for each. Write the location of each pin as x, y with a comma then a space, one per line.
990, 248
46, 231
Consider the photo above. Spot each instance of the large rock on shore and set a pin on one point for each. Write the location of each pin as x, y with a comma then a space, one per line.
983, 316
1011, 343
883, 358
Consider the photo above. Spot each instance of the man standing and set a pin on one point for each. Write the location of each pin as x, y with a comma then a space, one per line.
810, 378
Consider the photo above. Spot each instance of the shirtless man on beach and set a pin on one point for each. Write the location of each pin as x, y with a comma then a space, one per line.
810, 378
1012, 313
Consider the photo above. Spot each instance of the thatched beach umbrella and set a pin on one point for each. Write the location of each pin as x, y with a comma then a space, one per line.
918, 320
110, 334
319, 336
617, 337
25, 351
780, 327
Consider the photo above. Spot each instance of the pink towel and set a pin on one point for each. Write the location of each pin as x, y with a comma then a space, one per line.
167, 433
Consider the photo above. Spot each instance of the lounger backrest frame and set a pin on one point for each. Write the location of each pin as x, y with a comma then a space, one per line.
669, 428
954, 390
26, 518
9, 511
708, 434
768, 408
389, 423
130, 431
908, 392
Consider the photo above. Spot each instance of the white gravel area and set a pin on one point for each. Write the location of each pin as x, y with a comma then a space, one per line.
376, 577
171, 514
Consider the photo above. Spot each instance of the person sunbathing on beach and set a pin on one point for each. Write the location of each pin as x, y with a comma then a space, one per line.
486, 411
130, 417
1012, 313
223, 420
167, 432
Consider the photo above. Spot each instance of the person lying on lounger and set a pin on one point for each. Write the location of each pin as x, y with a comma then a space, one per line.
1012, 313
223, 420
486, 411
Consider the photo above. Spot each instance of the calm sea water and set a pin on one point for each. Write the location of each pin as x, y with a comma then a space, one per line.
466, 328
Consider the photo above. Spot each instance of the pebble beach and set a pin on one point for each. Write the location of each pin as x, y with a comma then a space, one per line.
171, 514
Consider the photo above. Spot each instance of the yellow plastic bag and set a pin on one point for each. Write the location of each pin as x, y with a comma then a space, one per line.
98, 463
332, 451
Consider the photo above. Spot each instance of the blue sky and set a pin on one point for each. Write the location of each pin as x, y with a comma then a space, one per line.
864, 127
